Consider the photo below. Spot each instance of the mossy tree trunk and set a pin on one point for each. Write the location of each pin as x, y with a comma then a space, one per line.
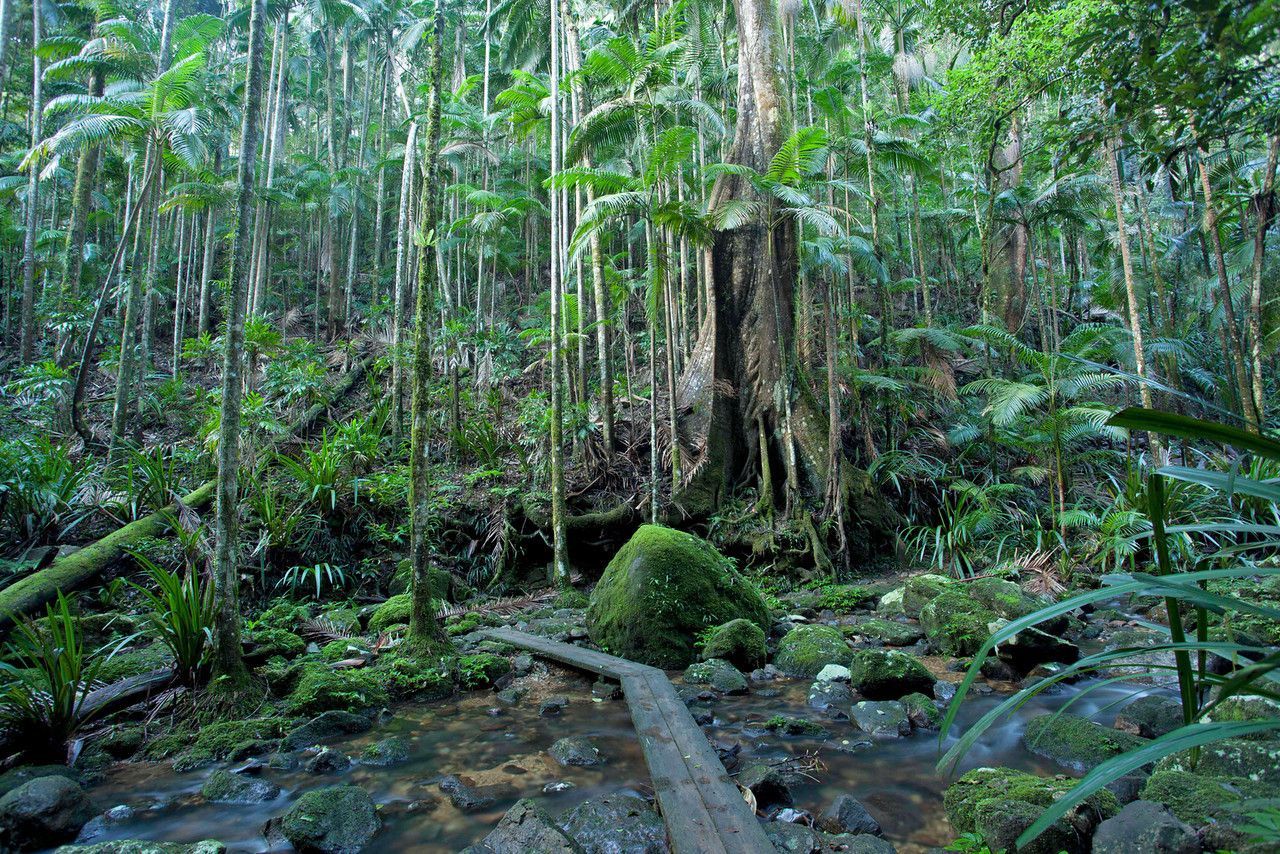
426, 635
227, 662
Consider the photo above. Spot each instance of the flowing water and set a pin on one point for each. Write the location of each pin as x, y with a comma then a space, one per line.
505, 754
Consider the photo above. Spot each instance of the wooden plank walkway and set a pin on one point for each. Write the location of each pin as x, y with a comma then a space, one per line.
702, 808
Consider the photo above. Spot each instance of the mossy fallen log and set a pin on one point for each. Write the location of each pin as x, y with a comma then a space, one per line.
78, 568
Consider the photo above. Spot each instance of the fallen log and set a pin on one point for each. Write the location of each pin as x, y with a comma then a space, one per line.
78, 568
126, 693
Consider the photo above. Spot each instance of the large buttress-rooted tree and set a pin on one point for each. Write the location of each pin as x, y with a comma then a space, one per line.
227, 661
744, 418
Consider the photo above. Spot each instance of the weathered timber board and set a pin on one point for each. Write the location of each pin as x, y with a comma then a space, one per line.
702, 808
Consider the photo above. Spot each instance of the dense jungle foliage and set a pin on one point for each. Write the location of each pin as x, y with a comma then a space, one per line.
378, 318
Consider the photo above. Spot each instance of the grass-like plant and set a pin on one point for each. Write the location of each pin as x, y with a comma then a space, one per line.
1191, 598
181, 617
46, 677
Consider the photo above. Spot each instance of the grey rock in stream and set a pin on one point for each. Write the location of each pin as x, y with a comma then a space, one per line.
847, 815
526, 828
331, 820
1144, 827
145, 846
881, 719
615, 824
225, 787
577, 751
43, 812
464, 797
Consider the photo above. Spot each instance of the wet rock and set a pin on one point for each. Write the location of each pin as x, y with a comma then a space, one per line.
15, 777
739, 642
847, 815
833, 673
526, 828
956, 623
1075, 741
1129, 787
552, 706
1253, 759
225, 787
463, 796
998, 670
807, 649
328, 761
825, 696
510, 696
767, 784
1150, 716
615, 823
1144, 827
325, 726
145, 846
388, 751
1001, 822
885, 674
974, 802
889, 632
881, 718
1031, 647
795, 726
717, 673
576, 751
791, 838
43, 812
282, 761
603, 689
921, 711
944, 691
331, 820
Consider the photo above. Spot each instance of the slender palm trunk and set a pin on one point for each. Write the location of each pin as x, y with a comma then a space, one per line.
27, 319
560, 562
228, 664
426, 635
1265, 211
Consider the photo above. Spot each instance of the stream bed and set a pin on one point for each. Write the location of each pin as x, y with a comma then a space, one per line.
501, 753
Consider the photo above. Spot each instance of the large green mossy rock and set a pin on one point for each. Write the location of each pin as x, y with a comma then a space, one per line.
957, 623
884, 674
976, 801
1250, 759
334, 820
807, 649
922, 589
660, 591
739, 642
1198, 799
1075, 741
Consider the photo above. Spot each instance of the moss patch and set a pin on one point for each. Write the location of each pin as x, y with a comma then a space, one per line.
923, 589
958, 624
980, 786
661, 590
807, 649
321, 689
1075, 741
1194, 798
393, 612
739, 642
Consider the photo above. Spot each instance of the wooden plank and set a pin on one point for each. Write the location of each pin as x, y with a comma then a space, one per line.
702, 808
574, 656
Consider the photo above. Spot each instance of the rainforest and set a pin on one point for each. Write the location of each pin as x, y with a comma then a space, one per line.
611, 427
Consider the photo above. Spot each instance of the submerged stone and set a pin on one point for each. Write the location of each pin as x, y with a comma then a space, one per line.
576, 751
661, 590
145, 846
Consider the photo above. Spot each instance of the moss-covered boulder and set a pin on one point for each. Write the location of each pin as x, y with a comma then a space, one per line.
393, 612
920, 590
886, 674
1007, 599
333, 820
266, 642
224, 740
134, 662
739, 642
973, 796
888, 632
805, 650
718, 674
43, 812
1075, 741
321, 689
1198, 799
1250, 759
957, 623
661, 590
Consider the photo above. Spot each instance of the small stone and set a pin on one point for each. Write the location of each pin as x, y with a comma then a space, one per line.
464, 797
328, 761
944, 691
603, 689
224, 787
552, 706
576, 751
833, 673
881, 719
557, 786
387, 751
847, 815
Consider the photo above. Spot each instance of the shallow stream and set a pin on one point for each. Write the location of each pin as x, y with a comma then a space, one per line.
504, 754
